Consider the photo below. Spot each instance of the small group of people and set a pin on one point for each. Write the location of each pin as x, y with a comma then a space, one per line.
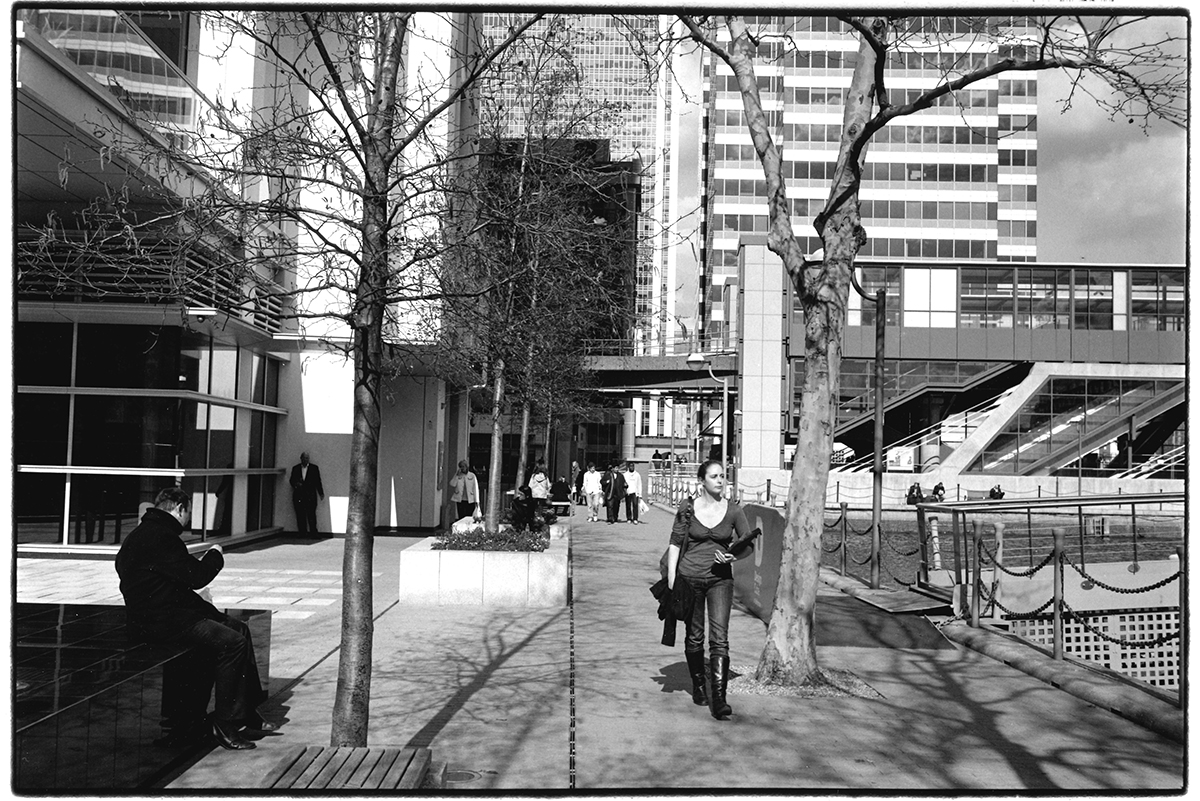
621, 482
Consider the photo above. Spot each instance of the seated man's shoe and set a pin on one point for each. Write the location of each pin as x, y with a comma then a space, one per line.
256, 723
233, 742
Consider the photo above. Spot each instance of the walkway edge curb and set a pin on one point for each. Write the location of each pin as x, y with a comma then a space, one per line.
1121, 699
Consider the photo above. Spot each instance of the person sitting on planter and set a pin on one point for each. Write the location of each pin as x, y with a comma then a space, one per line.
522, 509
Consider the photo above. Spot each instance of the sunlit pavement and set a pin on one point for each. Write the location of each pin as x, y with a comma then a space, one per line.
492, 690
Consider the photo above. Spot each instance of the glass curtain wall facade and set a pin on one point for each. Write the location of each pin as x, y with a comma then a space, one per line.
1019, 298
110, 414
956, 181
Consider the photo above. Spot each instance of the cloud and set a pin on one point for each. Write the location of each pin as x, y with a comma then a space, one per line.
1107, 190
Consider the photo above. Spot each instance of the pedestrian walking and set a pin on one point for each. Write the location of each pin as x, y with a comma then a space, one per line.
633, 492
613, 493
594, 491
699, 553
464, 490
539, 487
580, 496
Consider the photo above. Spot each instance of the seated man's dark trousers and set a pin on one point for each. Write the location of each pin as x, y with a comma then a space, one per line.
239, 689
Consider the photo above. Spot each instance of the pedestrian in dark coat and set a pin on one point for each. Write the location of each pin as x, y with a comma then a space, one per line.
615, 493
159, 579
307, 491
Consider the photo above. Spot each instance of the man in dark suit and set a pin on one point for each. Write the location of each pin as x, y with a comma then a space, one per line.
159, 579
306, 492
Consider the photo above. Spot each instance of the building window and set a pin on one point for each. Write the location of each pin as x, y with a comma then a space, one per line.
1043, 298
1094, 300
1157, 300
872, 279
930, 297
986, 297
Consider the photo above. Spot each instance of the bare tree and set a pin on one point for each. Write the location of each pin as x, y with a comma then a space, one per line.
555, 229
1147, 79
337, 168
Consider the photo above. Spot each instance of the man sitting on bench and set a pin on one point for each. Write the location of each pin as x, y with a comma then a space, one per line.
158, 580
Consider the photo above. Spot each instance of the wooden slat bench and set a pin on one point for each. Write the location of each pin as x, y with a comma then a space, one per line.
320, 768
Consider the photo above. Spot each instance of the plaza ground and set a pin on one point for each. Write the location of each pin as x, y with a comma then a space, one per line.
585, 697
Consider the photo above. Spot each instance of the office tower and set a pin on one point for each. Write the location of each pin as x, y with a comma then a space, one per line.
611, 71
957, 181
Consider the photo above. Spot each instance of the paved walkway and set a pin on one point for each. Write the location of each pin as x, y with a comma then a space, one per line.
585, 697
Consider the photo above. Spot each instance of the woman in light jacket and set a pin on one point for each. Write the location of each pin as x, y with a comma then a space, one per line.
704, 529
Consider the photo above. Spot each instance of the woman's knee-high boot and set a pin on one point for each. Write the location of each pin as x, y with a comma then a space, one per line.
695, 663
720, 680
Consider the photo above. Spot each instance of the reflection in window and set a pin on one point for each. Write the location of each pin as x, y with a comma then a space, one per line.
1043, 298
872, 279
1156, 300
1093, 300
987, 297
1062, 415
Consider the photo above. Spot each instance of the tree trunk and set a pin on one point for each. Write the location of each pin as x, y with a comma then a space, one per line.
351, 710
523, 442
492, 520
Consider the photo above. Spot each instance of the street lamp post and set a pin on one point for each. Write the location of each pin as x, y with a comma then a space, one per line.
877, 479
695, 361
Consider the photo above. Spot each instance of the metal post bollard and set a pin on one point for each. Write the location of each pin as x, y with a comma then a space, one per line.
935, 541
845, 523
923, 545
770, 501
997, 576
977, 538
1059, 540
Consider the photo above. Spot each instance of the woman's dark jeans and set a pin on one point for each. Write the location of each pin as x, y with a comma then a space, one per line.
715, 593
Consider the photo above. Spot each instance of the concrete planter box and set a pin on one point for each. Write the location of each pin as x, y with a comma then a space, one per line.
488, 578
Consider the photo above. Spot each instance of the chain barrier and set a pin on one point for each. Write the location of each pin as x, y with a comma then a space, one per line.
1115, 640
856, 532
863, 562
1122, 590
893, 577
835, 523
836, 547
1021, 615
991, 557
899, 552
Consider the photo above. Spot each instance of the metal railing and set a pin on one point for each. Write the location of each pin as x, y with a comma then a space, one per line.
1028, 537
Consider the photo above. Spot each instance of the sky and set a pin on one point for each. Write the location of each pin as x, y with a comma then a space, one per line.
1107, 190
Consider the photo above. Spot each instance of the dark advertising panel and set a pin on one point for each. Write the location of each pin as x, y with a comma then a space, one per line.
755, 578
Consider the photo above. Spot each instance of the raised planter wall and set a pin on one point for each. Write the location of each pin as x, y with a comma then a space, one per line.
491, 578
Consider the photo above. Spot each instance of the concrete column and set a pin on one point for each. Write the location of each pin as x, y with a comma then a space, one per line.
628, 433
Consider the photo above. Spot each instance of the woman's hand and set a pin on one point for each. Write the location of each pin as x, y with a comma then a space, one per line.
724, 557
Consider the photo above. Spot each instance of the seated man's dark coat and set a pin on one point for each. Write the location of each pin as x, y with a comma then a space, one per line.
159, 578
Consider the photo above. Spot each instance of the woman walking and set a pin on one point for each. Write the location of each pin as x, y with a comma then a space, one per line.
593, 491
699, 554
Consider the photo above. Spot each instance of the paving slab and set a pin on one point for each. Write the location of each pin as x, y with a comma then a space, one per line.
585, 698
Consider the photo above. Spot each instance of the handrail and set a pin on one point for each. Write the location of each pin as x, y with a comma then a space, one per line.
984, 407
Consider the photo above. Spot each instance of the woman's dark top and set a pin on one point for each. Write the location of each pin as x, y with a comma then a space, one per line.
704, 542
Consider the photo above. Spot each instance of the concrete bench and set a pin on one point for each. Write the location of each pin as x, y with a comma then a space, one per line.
368, 768
90, 702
